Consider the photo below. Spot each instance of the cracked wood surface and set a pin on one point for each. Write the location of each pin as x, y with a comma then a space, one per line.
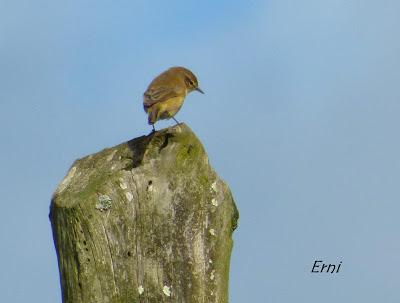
148, 220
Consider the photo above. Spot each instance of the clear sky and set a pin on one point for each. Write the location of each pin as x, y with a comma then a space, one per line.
300, 117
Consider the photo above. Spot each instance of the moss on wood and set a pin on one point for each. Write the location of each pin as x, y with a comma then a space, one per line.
148, 220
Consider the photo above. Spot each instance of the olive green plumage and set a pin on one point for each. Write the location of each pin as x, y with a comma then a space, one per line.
166, 93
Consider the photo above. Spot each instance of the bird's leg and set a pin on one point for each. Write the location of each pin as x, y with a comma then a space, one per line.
154, 129
175, 120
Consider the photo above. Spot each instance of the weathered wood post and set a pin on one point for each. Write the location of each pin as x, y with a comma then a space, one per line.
145, 221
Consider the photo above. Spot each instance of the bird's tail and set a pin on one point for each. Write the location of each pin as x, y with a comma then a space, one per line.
152, 117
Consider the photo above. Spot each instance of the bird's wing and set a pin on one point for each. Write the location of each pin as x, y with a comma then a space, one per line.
159, 94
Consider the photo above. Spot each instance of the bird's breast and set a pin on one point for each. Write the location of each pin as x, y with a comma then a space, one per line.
170, 107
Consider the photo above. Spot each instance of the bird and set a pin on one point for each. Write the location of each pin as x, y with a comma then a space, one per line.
165, 95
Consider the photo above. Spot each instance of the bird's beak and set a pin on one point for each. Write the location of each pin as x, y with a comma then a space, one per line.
199, 90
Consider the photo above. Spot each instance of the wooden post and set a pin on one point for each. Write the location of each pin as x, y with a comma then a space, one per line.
148, 220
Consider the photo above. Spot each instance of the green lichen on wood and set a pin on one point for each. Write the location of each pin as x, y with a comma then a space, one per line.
159, 230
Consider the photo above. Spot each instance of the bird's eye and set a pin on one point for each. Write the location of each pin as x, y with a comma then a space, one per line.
190, 82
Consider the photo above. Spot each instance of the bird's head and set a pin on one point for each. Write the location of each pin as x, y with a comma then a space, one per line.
190, 79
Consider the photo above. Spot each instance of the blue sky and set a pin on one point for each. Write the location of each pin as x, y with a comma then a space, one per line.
300, 117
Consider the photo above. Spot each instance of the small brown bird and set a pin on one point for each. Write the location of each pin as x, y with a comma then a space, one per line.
166, 93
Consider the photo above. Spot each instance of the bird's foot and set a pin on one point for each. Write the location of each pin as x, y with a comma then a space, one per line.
153, 130
176, 121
